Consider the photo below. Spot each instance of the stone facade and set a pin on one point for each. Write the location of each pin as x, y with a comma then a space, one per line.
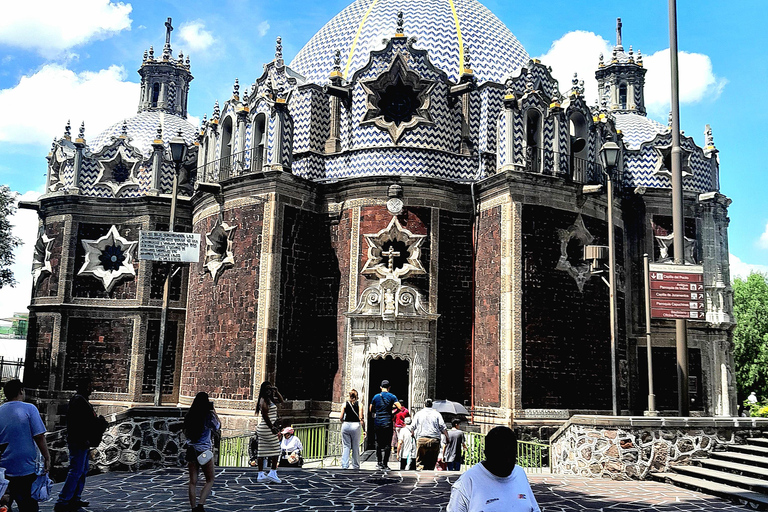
632, 447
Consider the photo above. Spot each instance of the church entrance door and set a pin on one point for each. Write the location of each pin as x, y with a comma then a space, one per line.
396, 371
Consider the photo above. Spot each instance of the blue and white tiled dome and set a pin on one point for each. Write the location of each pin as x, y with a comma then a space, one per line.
142, 130
446, 28
637, 129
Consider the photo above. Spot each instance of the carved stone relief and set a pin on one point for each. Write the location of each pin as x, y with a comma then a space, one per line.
119, 171
41, 260
579, 270
218, 251
108, 259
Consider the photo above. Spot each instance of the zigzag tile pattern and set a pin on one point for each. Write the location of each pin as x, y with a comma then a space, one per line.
401, 162
640, 165
492, 106
310, 166
637, 129
142, 129
495, 52
501, 154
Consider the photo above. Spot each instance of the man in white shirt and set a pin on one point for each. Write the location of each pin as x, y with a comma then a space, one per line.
428, 428
496, 484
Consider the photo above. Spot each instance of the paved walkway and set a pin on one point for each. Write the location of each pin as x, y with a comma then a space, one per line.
331, 490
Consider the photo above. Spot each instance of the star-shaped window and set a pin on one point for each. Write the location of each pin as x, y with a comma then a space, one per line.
112, 257
109, 258
120, 170
664, 161
398, 99
393, 252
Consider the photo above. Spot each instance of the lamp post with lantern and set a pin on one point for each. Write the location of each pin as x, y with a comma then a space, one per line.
178, 153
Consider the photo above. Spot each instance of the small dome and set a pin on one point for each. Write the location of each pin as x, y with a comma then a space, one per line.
494, 52
637, 129
142, 130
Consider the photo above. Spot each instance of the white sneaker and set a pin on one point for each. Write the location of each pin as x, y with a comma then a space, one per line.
272, 475
262, 477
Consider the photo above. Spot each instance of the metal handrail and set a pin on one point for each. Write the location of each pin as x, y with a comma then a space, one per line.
531, 456
542, 161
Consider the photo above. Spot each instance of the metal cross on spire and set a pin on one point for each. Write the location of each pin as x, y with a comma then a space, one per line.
168, 29
618, 31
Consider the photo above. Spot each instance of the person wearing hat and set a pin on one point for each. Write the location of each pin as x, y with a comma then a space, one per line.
290, 449
381, 408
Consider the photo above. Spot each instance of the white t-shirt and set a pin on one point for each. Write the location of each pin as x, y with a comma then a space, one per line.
479, 490
409, 444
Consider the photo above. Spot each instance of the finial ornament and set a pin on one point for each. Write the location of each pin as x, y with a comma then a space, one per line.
181, 57
631, 54
337, 61
708, 135
618, 31
81, 133
236, 89
145, 56
669, 120
168, 30
400, 23
216, 111
509, 90
151, 53
159, 133
639, 58
528, 80
575, 80
68, 131
124, 129
279, 48
601, 64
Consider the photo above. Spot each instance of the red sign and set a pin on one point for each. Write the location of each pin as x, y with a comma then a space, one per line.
677, 292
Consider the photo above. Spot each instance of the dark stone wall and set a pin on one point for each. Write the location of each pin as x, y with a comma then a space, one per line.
566, 333
454, 303
307, 351
221, 318
665, 377
89, 286
37, 361
101, 348
169, 356
48, 285
487, 308
341, 236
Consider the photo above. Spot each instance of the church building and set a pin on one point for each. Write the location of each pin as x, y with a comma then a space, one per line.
413, 198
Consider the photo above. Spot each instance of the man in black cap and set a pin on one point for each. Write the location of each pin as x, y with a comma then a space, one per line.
381, 408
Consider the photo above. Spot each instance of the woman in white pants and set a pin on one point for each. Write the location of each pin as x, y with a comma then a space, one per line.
352, 423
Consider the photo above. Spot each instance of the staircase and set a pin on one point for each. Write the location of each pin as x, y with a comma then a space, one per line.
739, 474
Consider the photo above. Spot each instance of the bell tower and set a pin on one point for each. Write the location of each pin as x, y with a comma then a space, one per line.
164, 80
621, 81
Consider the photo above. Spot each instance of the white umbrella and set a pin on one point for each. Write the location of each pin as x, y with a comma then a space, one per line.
449, 406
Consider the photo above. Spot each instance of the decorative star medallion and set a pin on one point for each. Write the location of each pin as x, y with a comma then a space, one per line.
218, 252
119, 171
393, 252
666, 241
398, 99
664, 161
41, 260
109, 259
580, 271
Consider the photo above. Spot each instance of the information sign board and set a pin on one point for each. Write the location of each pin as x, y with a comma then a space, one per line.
169, 246
677, 292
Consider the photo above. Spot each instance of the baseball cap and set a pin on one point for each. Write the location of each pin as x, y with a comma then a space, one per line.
384, 383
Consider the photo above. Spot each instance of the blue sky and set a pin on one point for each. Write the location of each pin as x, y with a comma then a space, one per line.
78, 61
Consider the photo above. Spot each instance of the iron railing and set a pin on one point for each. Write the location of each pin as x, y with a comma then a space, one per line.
545, 161
231, 166
10, 369
531, 456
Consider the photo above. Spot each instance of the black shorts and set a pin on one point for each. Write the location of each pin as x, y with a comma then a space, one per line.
191, 455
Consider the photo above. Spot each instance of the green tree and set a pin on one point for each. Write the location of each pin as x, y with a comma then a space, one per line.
8, 242
750, 338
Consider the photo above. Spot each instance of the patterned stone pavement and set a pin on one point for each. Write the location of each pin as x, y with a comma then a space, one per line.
318, 490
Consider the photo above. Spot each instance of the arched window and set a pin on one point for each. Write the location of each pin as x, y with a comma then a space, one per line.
533, 138
623, 96
259, 139
577, 154
225, 168
155, 94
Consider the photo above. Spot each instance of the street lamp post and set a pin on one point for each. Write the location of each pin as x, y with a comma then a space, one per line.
178, 153
609, 155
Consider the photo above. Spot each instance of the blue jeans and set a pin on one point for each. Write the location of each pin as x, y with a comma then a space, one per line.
454, 465
78, 468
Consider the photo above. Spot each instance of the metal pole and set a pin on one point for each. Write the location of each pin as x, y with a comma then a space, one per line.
166, 290
651, 397
612, 287
678, 219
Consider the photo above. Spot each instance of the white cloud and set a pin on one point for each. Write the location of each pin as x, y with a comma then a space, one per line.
52, 26
577, 52
262, 28
37, 108
16, 300
763, 240
697, 80
195, 37
742, 270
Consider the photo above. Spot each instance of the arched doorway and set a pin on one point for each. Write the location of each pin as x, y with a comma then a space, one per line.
395, 370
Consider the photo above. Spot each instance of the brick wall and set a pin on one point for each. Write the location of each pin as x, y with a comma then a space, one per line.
101, 348
221, 319
487, 307
48, 285
37, 362
566, 345
169, 356
341, 235
89, 286
454, 327
307, 349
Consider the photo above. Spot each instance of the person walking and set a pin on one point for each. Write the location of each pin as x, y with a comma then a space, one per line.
454, 446
496, 483
352, 424
406, 447
428, 427
381, 408
22, 432
199, 423
268, 432
84, 429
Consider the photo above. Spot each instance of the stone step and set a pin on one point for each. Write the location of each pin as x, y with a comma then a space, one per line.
758, 441
754, 499
724, 477
733, 467
741, 458
749, 448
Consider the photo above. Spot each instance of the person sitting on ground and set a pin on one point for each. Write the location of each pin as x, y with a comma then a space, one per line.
199, 422
497, 483
290, 450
